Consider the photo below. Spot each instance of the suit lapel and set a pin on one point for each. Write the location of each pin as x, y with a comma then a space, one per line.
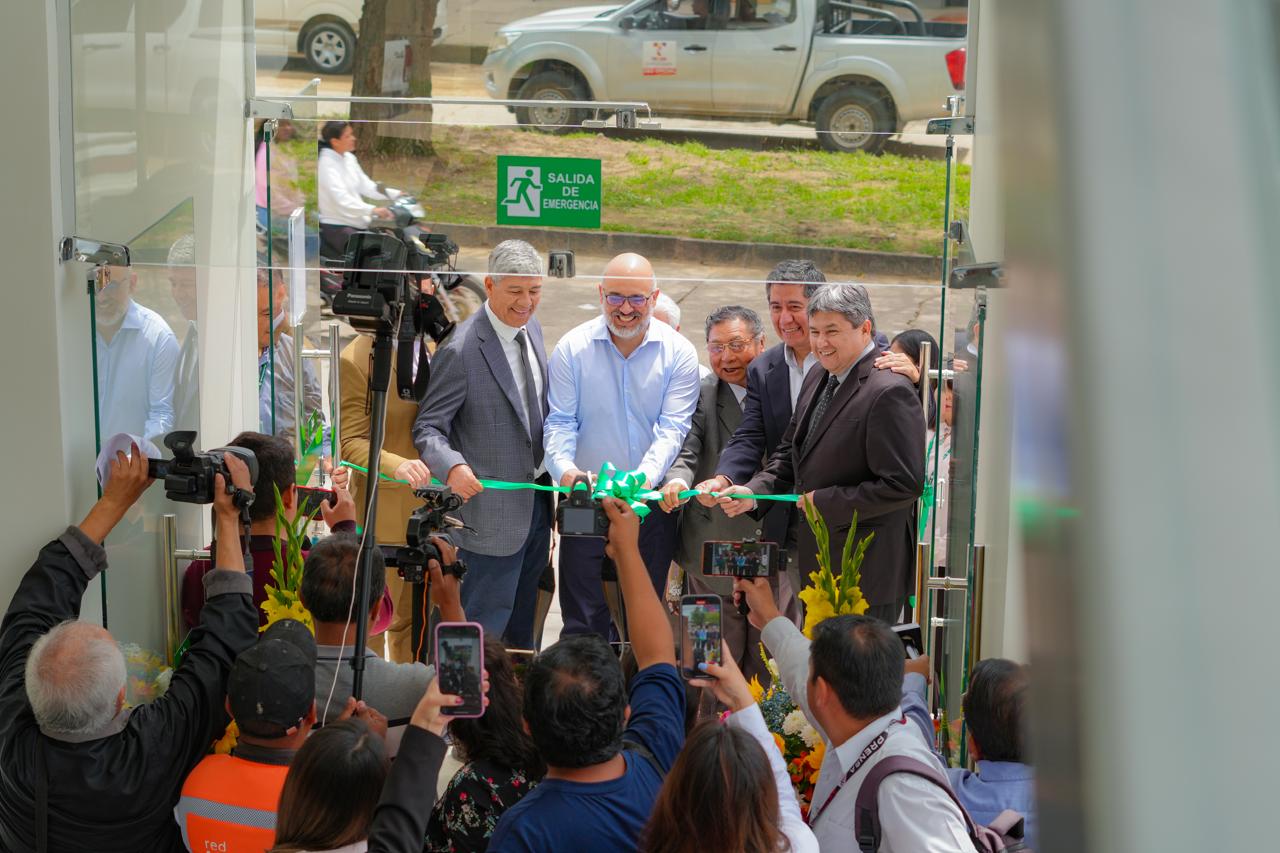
778, 382
496, 358
850, 387
728, 410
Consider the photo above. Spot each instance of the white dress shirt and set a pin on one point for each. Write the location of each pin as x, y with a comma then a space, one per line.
798, 833
915, 815
740, 392
633, 412
341, 190
511, 349
135, 376
797, 371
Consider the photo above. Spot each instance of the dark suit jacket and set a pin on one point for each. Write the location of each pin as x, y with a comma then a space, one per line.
766, 411
714, 422
868, 457
474, 414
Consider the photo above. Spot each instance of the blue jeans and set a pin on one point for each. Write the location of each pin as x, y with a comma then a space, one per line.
501, 593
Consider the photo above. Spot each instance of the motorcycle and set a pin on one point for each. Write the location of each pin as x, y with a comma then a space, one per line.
460, 295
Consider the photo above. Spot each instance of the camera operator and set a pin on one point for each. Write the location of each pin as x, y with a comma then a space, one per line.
116, 773
328, 581
396, 501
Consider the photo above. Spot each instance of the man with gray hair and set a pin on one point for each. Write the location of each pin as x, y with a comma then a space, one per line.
735, 338
483, 418
82, 771
855, 445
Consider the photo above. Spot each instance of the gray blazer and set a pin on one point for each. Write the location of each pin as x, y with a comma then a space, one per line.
473, 414
714, 422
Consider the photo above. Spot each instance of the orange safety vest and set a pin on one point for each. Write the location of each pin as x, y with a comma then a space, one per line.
228, 805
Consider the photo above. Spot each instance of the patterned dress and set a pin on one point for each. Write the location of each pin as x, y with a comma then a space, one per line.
477, 796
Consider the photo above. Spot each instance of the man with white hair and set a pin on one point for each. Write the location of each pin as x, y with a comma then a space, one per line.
80, 770
623, 390
483, 417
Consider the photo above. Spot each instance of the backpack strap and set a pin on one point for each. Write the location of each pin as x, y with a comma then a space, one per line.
866, 824
631, 745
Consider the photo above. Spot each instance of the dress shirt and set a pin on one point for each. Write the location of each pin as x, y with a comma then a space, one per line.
739, 392
341, 190
797, 832
633, 412
797, 371
915, 815
312, 401
135, 376
511, 349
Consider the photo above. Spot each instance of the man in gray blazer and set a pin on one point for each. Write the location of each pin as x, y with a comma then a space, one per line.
735, 336
482, 418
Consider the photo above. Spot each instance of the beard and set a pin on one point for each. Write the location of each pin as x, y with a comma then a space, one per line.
626, 332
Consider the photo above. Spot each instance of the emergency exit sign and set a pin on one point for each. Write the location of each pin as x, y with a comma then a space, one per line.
557, 191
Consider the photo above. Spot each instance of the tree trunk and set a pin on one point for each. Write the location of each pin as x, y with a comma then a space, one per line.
390, 20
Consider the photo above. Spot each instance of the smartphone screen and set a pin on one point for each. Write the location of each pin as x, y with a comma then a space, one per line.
309, 499
699, 634
460, 665
740, 559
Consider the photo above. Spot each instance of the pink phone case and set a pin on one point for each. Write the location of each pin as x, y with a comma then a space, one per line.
451, 712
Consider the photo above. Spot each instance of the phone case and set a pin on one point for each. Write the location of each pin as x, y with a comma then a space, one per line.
686, 666
454, 713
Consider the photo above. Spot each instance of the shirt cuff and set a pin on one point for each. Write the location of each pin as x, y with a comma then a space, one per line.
750, 719
344, 527
226, 581
684, 487
90, 556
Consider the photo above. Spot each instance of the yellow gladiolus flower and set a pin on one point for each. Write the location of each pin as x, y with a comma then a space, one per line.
757, 690
817, 608
814, 760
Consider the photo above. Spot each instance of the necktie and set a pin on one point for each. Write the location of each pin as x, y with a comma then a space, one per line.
819, 409
531, 401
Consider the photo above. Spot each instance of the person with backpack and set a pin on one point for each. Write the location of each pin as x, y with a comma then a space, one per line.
848, 683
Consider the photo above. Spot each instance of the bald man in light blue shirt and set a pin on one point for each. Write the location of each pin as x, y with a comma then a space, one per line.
621, 389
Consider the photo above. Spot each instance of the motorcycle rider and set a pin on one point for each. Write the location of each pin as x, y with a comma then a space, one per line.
342, 187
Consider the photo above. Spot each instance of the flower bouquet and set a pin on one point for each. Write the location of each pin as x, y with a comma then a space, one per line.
801, 746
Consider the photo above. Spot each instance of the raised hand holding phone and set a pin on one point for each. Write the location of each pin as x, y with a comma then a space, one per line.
700, 637
460, 667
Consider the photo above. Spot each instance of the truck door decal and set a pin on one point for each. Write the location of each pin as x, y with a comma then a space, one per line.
659, 59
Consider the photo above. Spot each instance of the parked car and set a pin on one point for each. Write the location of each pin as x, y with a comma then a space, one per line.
322, 32
855, 72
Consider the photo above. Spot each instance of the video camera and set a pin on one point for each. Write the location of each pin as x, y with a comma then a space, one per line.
188, 476
581, 514
381, 295
411, 559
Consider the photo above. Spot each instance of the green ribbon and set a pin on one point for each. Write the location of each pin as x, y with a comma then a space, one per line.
627, 486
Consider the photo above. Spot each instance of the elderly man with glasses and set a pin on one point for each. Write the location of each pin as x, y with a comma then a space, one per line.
621, 389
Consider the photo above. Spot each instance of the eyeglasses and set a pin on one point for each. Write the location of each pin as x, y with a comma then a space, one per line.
615, 300
736, 345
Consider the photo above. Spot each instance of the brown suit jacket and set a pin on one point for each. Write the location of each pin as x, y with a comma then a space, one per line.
867, 457
395, 500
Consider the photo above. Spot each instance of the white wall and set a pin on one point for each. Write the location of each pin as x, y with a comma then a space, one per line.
106, 150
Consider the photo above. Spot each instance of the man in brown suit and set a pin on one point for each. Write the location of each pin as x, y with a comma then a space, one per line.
399, 461
854, 444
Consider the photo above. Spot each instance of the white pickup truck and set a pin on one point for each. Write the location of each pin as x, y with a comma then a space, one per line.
858, 73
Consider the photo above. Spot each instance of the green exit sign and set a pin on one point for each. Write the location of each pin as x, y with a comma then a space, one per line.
557, 191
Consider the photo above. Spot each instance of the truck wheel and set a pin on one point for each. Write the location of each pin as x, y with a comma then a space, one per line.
855, 119
551, 86
329, 47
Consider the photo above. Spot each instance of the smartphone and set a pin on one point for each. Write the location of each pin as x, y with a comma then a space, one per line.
745, 559
460, 666
699, 633
912, 639
310, 498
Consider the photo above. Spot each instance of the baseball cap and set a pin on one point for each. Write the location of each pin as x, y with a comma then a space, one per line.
273, 682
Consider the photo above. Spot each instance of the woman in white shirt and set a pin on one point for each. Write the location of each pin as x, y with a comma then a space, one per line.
728, 788
342, 187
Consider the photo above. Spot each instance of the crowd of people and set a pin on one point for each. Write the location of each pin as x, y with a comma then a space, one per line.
579, 750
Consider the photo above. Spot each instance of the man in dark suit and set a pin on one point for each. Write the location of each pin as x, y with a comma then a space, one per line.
855, 444
735, 338
483, 418
773, 384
